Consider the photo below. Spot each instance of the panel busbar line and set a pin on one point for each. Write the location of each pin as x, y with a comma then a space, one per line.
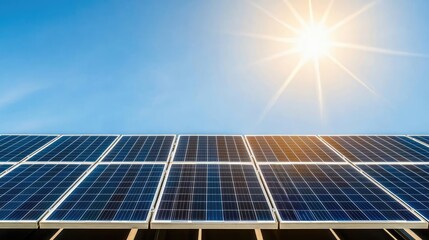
199, 148
111, 196
410, 183
82, 148
423, 139
14, 148
29, 190
332, 196
141, 149
379, 148
291, 149
3, 167
212, 196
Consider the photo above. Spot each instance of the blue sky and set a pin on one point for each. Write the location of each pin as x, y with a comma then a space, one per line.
179, 67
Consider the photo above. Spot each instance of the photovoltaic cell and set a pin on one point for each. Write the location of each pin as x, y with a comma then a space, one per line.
211, 149
14, 148
409, 182
121, 192
329, 193
141, 149
379, 148
424, 139
28, 191
4, 167
74, 149
291, 149
212, 192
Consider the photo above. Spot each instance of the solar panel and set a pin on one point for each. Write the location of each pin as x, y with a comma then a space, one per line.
424, 139
291, 149
14, 148
211, 149
4, 167
213, 196
28, 191
74, 149
379, 148
409, 182
310, 195
110, 196
141, 149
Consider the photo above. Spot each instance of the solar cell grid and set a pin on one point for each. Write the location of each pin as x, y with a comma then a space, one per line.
74, 149
424, 139
308, 193
379, 148
409, 182
213, 193
28, 191
4, 167
291, 149
14, 148
112, 193
141, 149
211, 149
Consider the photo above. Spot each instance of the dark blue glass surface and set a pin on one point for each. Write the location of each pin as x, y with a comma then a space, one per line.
409, 182
141, 149
74, 149
329, 193
28, 191
4, 167
205, 192
424, 139
112, 193
13, 148
379, 148
291, 149
211, 149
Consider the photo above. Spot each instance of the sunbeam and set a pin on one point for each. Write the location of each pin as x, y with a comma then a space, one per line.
295, 13
351, 74
276, 56
352, 16
319, 85
276, 96
265, 37
377, 50
270, 15
327, 11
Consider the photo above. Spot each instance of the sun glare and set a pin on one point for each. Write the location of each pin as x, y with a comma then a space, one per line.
313, 41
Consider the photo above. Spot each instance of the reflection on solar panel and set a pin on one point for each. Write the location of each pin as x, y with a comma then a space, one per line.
379, 148
14, 148
115, 194
28, 191
211, 149
211, 193
305, 193
409, 182
291, 149
74, 149
141, 149
424, 139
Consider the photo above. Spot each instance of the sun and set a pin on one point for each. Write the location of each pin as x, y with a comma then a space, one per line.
312, 40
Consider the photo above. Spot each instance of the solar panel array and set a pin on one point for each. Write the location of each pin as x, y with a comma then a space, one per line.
291, 149
424, 139
398, 163
211, 149
310, 186
379, 148
213, 183
74, 149
14, 148
107, 181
